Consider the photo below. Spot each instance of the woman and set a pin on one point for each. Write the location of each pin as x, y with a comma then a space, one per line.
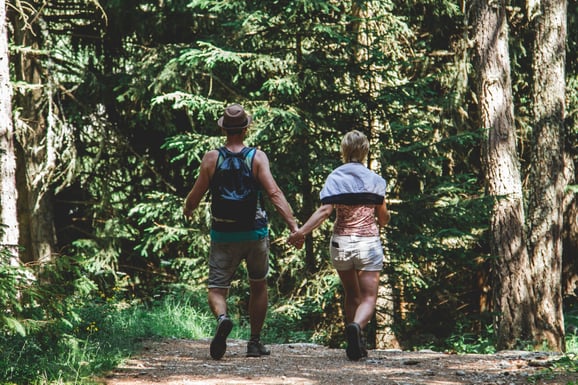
358, 195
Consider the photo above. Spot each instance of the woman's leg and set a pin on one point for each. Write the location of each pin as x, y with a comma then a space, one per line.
368, 282
350, 284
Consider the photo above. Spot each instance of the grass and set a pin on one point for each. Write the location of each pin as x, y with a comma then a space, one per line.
100, 335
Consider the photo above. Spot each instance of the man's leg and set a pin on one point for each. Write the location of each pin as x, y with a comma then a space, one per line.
258, 303
258, 268
217, 298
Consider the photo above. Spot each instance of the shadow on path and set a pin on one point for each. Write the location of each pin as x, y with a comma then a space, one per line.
186, 362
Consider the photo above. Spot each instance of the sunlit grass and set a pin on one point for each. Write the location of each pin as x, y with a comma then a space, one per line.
98, 337
105, 333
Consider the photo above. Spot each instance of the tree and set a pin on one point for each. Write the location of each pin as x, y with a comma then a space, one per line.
511, 265
551, 171
8, 194
34, 206
527, 250
45, 68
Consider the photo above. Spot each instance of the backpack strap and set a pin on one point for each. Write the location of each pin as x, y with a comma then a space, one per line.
247, 154
222, 155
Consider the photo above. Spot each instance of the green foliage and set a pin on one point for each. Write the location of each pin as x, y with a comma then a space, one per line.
464, 341
85, 332
152, 81
178, 248
13, 282
290, 65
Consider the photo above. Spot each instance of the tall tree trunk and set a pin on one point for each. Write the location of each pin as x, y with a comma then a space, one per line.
548, 173
502, 171
34, 151
8, 194
366, 31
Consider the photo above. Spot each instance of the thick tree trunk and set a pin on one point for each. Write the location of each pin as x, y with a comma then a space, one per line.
8, 195
508, 245
548, 173
35, 150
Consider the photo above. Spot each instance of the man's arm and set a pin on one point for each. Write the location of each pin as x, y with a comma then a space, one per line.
202, 183
262, 173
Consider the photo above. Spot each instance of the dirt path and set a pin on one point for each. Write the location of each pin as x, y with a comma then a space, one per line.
187, 362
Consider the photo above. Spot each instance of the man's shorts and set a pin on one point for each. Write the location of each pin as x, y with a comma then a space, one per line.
354, 252
225, 258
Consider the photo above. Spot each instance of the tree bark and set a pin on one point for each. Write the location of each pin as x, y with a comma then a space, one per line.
8, 194
502, 171
34, 150
549, 173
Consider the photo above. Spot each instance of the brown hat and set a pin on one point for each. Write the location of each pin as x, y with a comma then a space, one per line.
235, 118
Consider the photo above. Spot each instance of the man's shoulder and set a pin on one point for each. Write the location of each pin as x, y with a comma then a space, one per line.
259, 154
211, 154
210, 159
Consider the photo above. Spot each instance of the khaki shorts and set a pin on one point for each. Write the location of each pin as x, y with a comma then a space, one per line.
354, 252
225, 258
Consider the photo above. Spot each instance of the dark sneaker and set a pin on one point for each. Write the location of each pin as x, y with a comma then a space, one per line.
355, 349
363, 345
219, 342
257, 349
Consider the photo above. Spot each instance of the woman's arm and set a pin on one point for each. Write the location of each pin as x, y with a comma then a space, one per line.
316, 219
382, 213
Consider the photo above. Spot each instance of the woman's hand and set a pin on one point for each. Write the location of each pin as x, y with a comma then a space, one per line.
297, 239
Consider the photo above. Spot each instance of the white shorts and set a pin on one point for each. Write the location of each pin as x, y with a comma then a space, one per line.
355, 252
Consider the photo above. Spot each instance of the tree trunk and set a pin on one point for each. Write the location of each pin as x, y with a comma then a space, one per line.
502, 171
548, 173
35, 151
8, 194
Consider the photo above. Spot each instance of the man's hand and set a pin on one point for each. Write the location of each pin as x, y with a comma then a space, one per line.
296, 239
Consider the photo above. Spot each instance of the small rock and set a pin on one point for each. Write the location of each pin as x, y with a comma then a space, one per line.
460, 373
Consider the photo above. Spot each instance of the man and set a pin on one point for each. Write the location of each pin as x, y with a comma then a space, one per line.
236, 176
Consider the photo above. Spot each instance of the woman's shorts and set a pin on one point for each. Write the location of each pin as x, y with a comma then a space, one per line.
355, 252
225, 258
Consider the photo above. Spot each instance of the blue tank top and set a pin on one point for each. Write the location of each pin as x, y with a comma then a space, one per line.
228, 230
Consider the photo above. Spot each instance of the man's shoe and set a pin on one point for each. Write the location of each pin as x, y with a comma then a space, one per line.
219, 342
363, 345
257, 349
355, 349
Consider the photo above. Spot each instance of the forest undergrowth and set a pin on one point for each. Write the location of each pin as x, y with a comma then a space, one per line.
103, 334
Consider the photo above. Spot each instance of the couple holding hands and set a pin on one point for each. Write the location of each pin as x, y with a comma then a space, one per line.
355, 192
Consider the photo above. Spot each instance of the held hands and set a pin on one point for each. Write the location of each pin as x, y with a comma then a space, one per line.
297, 238
187, 212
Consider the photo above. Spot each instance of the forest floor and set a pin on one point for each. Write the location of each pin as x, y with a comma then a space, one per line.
187, 362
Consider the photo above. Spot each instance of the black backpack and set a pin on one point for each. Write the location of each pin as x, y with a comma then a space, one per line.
234, 190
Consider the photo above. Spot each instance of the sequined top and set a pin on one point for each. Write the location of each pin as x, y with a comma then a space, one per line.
356, 220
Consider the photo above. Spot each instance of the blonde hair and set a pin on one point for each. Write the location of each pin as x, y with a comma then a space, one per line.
354, 147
